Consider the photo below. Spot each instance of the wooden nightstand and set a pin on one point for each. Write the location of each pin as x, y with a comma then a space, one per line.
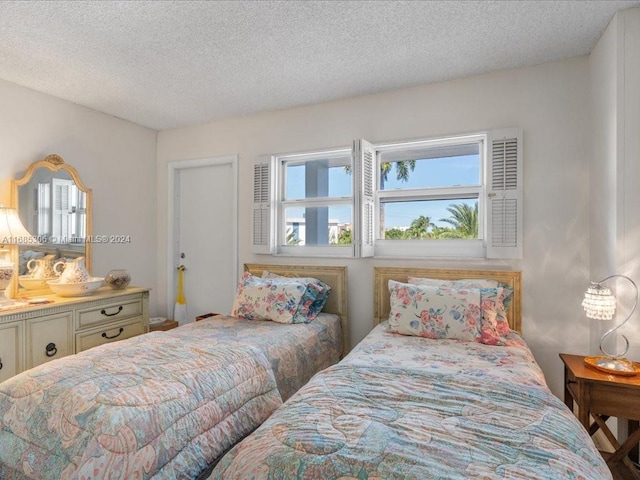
600, 396
164, 326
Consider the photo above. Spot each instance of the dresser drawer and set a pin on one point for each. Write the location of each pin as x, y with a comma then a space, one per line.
109, 333
109, 313
10, 350
48, 338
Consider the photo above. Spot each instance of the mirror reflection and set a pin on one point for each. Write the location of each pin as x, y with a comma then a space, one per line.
55, 207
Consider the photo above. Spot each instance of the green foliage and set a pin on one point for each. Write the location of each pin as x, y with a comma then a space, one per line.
394, 234
463, 221
420, 228
344, 237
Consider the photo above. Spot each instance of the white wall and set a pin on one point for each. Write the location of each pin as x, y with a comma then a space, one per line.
117, 159
614, 68
550, 102
629, 179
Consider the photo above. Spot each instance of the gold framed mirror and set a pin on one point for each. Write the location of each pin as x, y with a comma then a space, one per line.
55, 206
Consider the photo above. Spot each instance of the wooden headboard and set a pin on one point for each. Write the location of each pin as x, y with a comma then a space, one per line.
335, 277
382, 275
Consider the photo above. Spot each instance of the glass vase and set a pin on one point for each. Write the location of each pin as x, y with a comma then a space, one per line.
118, 279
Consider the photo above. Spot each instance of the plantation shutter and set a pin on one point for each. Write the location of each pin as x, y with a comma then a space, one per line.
364, 188
504, 193
61, 209
262, 225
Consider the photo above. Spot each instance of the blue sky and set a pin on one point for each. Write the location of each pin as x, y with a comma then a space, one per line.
437, 172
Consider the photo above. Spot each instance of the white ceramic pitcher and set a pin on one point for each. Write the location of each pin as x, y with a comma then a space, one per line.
41, 267
74, 271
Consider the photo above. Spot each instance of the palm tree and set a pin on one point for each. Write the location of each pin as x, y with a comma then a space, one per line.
402, 174
402, 170
420, 228
464, 219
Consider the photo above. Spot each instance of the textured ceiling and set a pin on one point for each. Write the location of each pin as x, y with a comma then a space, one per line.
165, 64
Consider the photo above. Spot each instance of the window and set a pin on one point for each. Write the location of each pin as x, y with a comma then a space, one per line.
429, 195
314, 203
59, 212
458, 196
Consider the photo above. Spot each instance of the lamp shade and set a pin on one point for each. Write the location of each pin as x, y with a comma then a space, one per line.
599, 303
12, 232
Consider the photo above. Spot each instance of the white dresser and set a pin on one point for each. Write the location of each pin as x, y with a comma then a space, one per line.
36, 334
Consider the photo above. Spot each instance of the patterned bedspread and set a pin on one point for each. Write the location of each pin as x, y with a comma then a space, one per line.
412, 408
147, 407
296, 351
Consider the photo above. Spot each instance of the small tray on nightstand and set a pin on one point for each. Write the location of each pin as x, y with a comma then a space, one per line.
592, 362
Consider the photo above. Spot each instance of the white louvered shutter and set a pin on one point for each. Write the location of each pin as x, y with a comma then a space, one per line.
262, 215
364, 188
61, 209
504, 193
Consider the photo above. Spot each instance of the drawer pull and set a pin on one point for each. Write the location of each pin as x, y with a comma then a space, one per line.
104, 334
1, 364
104, 312
50, 350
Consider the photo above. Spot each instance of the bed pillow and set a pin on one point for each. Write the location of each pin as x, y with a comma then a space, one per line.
316, 295
500, 297
492, 333
267, 299
434, 311
506, 295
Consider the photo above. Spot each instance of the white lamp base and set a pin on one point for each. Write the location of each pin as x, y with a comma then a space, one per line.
6, 272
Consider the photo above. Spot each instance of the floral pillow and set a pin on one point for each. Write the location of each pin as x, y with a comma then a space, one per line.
496, 297
315, 296
435, 312
267, 299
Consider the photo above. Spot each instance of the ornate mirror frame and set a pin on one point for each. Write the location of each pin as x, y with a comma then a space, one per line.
55, 163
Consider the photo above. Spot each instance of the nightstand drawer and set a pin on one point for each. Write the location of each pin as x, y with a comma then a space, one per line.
109, 313
571, 383
614, 400
109, 333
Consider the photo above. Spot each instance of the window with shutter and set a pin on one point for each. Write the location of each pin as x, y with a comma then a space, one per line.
458, 196
429, 198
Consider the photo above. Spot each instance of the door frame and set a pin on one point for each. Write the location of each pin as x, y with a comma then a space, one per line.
173, 168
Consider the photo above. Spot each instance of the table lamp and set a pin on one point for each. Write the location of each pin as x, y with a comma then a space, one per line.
12, 232
600, 304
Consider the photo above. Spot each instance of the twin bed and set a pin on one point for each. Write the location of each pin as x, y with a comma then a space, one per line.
409, 407
171, 404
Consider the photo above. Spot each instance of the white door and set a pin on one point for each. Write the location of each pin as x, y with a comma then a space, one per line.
205, 233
